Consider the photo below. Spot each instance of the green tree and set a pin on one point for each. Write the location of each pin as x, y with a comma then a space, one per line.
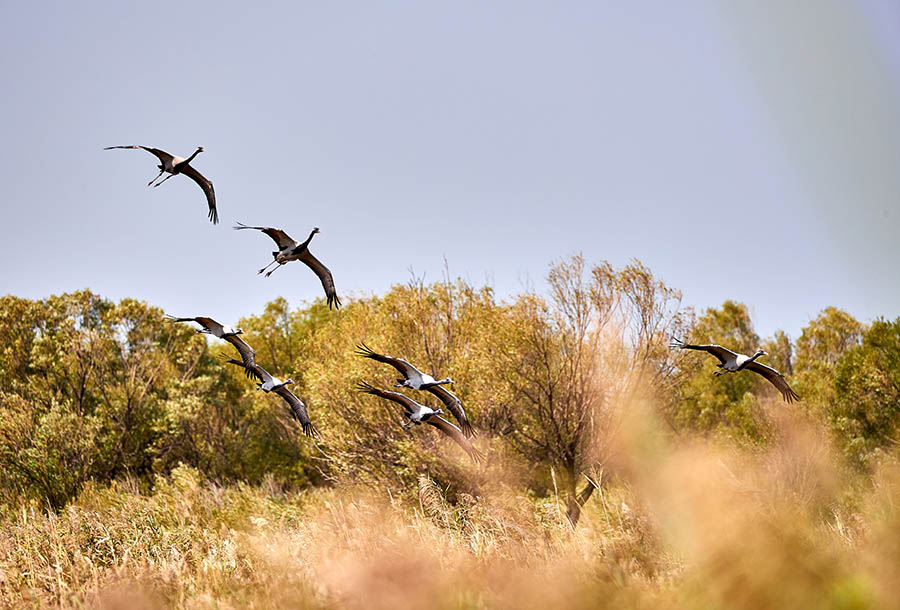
827, 338
866, 410
94, 390
781, 351
822, 344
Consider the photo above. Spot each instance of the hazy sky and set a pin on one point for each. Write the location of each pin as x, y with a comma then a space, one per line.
745, 150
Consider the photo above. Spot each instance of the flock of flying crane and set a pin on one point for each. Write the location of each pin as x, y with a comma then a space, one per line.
291, 250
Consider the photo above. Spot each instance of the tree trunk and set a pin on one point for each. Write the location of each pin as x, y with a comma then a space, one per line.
577, 501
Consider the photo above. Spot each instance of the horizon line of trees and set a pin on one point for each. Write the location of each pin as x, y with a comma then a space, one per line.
96, 390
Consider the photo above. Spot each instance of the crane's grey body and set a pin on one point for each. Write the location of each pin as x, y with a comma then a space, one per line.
270, 383
227, 331
210, 327
266, 381
295, 253
739, 362
421, 381
422, 414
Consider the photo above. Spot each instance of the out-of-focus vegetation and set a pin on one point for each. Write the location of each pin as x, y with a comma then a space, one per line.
130, 455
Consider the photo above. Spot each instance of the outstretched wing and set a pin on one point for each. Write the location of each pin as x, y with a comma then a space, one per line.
775, 378
405, 368
207, 187
325, 276
723, 354
248, 356
454, 405
298, 409
282, 239
409, 405
174, 319
208, 323
164, 157
456, 434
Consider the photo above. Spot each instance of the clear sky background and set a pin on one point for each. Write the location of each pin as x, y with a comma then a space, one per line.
744, 150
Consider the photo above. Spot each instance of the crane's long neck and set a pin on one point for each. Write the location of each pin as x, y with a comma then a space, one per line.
750, 359
308, 239
189, 159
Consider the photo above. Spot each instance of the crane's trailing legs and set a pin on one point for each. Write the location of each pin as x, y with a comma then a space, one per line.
161, 172
267, 266
163, 180
275, 269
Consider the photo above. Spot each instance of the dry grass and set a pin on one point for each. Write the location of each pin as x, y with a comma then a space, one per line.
692, 525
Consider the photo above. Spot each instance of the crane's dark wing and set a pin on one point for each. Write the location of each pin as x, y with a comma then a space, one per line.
282, 239
164, 157
207, 187
405, 368
456, 434
775, 378
248, 356
325, 276
298, 409
207, 323
262, 374
252, 372
723, 354
454, 405
174, 319
409, 405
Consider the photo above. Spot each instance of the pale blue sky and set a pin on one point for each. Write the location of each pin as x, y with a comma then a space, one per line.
745, 150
